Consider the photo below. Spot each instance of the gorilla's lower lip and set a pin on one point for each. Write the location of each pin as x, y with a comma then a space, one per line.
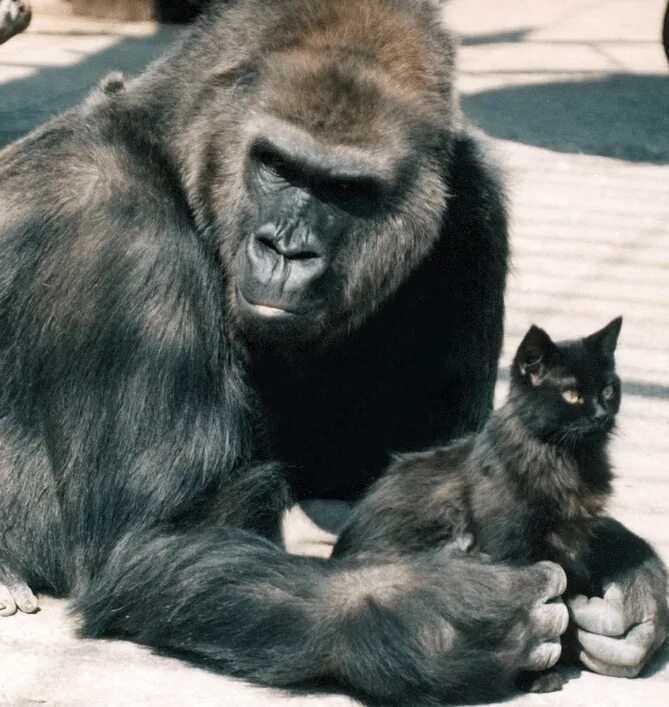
264, 310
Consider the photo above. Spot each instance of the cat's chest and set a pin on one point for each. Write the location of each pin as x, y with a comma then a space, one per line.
546, 517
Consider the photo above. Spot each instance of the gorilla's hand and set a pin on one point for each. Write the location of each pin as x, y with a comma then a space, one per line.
618, 633
439, 628
534, 643
15, 594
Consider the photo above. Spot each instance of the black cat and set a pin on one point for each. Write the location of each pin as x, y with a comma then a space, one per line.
531, 485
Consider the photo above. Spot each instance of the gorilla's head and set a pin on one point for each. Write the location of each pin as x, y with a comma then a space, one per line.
325, 186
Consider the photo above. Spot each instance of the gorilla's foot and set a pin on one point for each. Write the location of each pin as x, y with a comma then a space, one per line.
15, 595
15, 16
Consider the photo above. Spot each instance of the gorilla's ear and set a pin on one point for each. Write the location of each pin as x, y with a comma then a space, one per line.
534, 351
605, 340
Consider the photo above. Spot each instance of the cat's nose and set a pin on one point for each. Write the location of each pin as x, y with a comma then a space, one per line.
600, 412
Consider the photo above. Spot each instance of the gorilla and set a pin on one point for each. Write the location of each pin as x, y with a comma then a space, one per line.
245, 278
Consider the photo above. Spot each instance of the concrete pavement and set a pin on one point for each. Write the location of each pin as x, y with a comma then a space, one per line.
576, 96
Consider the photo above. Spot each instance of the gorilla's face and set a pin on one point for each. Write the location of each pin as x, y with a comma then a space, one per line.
330, 191
309, 199
326, 237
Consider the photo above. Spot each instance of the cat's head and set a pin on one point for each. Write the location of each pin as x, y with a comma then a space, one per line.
567, 390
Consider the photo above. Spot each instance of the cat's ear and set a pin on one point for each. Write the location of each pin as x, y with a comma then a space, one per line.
604, 341
534, 352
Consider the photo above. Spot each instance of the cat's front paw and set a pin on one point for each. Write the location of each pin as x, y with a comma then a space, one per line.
549, 681
15, 595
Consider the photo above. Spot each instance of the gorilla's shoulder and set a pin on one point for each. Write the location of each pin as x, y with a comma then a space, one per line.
476, 163
83, 157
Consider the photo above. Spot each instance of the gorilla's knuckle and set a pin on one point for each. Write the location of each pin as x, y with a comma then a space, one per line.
635, 656
549, 620
614, 623
545, 655
559, 618
7, 603
554, 578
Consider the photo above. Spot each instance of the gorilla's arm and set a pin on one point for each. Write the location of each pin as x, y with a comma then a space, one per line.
619, 631
474, 266
405, 632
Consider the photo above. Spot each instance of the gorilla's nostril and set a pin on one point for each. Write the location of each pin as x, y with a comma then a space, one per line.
286, 250
267, 242
303, 255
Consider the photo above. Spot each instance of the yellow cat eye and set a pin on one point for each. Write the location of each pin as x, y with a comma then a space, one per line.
572, 397
608, 392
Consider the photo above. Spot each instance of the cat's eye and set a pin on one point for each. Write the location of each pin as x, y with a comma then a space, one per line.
608, 392
572, 397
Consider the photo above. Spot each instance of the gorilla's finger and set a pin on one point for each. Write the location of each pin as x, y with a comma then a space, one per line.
614, 594
544, 656
550, 620
23, 597
615, 671
630, 651
555, 580
598, 615
7, 603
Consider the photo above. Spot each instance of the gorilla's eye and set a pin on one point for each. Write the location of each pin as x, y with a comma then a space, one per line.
341, 189
276, 165
608, 392
572, 397
359, 195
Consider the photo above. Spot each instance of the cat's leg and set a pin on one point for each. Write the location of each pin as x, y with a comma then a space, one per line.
547, 681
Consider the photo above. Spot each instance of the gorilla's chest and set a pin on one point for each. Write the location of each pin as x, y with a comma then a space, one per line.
335, 431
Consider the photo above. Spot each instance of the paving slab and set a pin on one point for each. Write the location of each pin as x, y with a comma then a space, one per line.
575, 95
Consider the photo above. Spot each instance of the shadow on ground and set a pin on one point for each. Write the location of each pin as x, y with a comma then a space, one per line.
621, 115
509, 37
28, 102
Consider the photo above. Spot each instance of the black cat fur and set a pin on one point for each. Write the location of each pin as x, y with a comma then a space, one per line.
531, 485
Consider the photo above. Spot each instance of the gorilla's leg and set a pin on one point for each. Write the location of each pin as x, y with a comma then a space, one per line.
416, 631
32, 546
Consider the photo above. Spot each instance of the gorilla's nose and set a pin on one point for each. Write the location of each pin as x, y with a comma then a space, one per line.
293, 245
282, 265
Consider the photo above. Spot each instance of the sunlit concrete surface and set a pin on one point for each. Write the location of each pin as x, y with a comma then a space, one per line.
576, 96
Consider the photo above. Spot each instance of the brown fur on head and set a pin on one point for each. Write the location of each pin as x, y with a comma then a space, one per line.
335, 63
354, 87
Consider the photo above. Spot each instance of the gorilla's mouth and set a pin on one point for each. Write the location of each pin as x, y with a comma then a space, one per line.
262, 309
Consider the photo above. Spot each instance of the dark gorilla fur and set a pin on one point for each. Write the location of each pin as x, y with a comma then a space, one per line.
155, 424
